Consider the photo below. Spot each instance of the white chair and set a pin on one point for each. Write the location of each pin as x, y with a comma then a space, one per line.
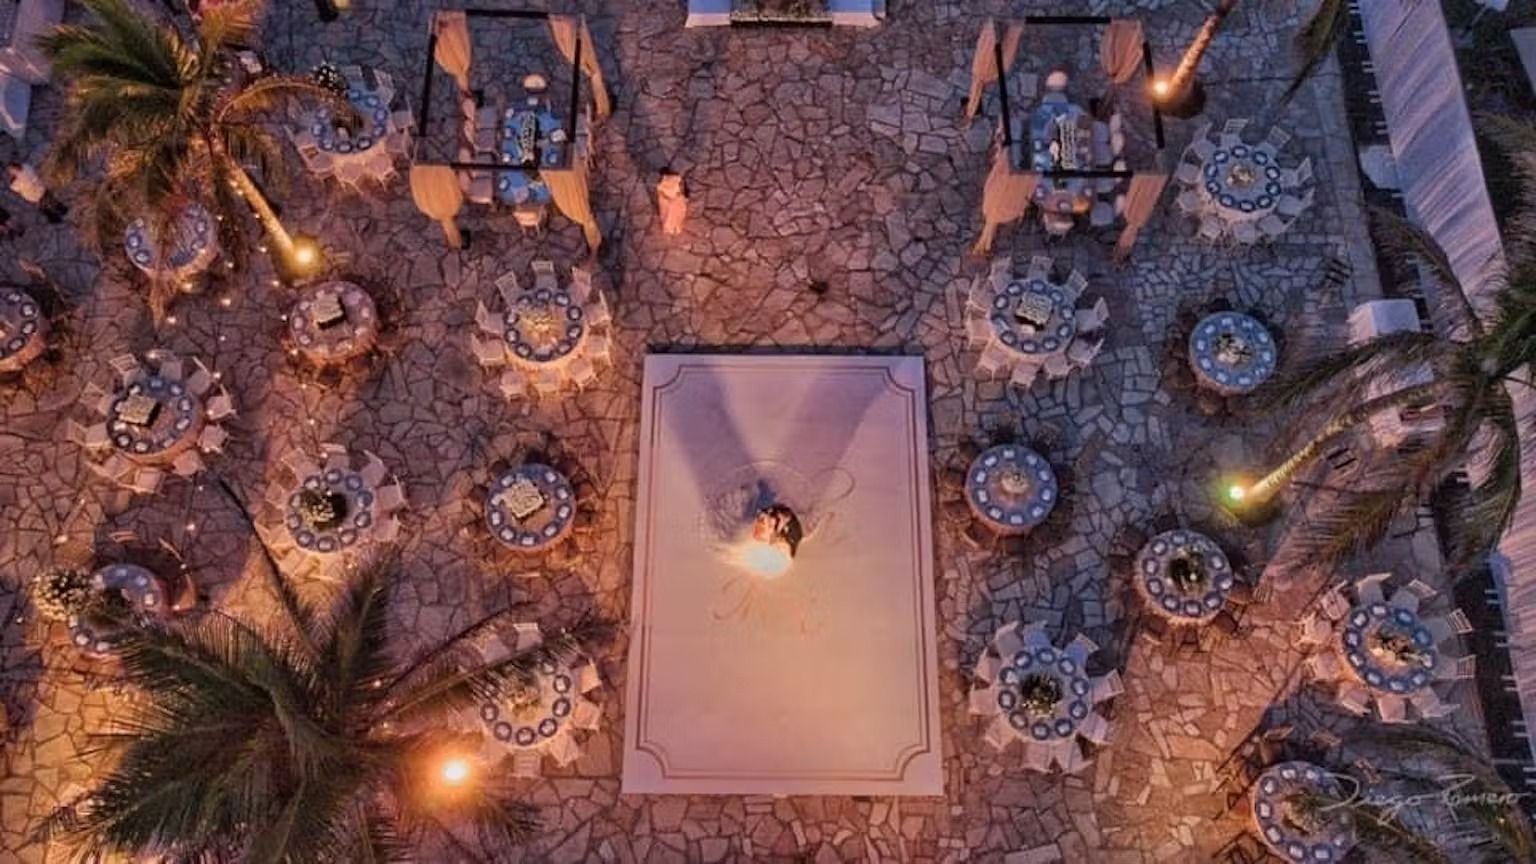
374, 471
391, 497
304, 141
982, 700
481, 188
487, 352
1080, 648
1057, 366
221, 406
1292, 206
300, 464
599, 347
1105, 687
1354, 698
1333, 604
90, 437
1040, 266
991, 361
1324, 666
597, 310
979, 297
1421, 588
582, 372
146, 480
998, 734
1037, 757
1087, 320
977, 333
1095, 728
1459, 621
1075, 284
508, 286
1301, 175
1188, 173
1211, 229
1102, 215
1391, 709
490, 322
187, 463
1189, 202
1245, 233
200, 379
512, 384
1202, 148
1082, 352
1117, 143
1272, 227
1201, 134
1234, 126
543, 272
1024, 375
1277, 137
387, 530
125, 365
547, 382
581, 284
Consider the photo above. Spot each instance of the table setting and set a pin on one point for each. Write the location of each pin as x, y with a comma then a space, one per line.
23, 329
1232, 353
1183, 576
1301, 812
530, 508
120, 593
193, 245
1011, 488
356, 147
333, 322
548, 337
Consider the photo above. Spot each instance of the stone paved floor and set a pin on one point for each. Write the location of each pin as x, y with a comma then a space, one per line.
812, 156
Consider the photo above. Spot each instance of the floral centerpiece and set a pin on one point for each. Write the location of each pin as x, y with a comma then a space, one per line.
1233, 350
1395, 645
1187, 572
1039, 695
327, 75
321, 511
1241, 176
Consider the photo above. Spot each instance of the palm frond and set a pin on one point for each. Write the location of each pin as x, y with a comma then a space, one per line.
453, 687
1315, 41
1405, 239
354, 656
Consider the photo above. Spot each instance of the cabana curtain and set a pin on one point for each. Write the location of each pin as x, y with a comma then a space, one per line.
1005, 199
435, 189
984, 64
1140, 202
452, 52
568, 188
563, 29
1120, 49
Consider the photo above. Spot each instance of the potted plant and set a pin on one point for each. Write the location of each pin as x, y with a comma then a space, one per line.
780, 11
60, 593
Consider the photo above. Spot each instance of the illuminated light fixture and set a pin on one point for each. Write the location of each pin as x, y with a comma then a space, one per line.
1160, 88
306, 254
1236, 492
776, 535
455, 771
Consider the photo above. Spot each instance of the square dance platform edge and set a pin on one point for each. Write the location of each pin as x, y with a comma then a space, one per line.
821, 680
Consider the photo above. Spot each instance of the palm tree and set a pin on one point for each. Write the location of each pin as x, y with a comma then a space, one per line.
166, 117
305, 742
1417, 764
1473, 356
1314, 42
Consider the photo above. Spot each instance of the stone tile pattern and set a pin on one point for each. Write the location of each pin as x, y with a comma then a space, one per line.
812, 157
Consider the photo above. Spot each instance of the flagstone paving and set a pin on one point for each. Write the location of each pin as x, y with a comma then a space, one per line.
835, 194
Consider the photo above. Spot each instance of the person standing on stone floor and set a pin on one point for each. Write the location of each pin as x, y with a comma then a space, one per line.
672, 201
26, 183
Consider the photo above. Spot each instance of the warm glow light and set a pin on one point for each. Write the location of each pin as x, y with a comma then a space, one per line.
455, 771
765, 559
1160, 87
1236, 492
306, 253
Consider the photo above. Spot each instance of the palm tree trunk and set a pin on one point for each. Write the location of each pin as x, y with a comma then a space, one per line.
1264, 489
281, 239
1184, 75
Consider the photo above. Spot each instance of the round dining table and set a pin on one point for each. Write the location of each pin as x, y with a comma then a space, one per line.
1011, 488
23, 329
1192, 599
530, 507
544, 326
353, 499
333, 322
1243, 181
1300, 811
1231, 353
193, 246
1032, 318
152, 419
